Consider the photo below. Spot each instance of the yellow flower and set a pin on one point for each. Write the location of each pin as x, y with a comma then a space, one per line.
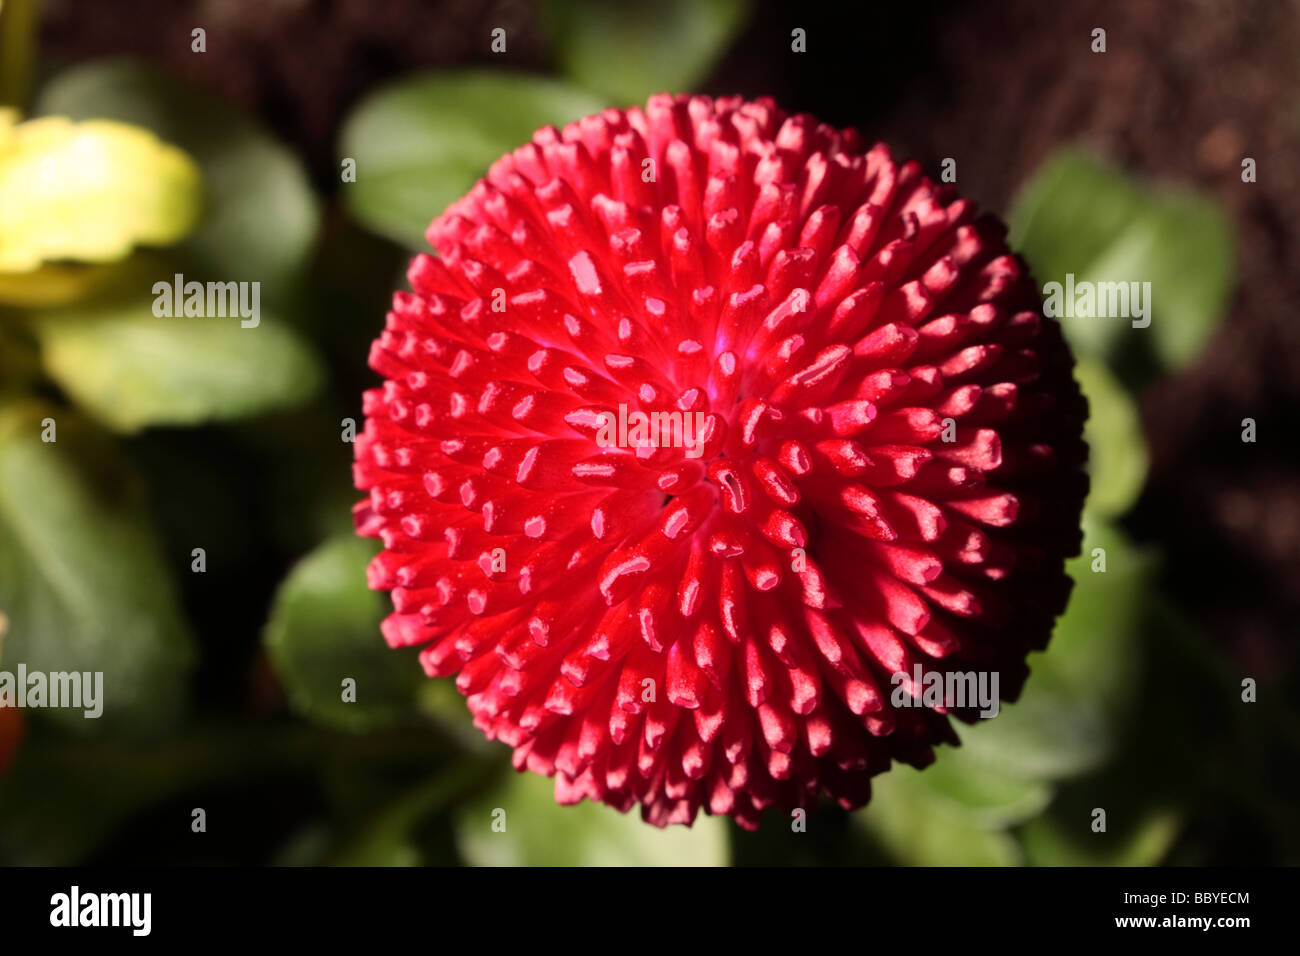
86, 192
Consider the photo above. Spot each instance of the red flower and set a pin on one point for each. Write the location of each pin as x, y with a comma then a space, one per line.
887, 472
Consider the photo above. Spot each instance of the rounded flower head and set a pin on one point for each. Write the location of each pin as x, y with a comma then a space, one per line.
706, 431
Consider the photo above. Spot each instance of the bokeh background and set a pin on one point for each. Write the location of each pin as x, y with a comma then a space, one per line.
223, 686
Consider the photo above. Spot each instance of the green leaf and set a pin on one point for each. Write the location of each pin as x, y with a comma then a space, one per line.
89, 191
954, 813
131, 369
445, 707
539, 832
992, 798
634, 48
261, 217
1067, 719
390, 837
62, 283
917, 826
1081, 215
1117, 451
82, 578
55, 813
20, 361
1053, 840
324, 629
60, 803
422, 143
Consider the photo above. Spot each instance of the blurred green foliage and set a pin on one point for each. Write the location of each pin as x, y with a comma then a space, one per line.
89, 579
130, 369
82, 579
629, 51
1084, 216
323, 624
262, 218
422, 143
535, 831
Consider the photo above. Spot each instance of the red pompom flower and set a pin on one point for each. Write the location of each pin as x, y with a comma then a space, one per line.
706, 424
